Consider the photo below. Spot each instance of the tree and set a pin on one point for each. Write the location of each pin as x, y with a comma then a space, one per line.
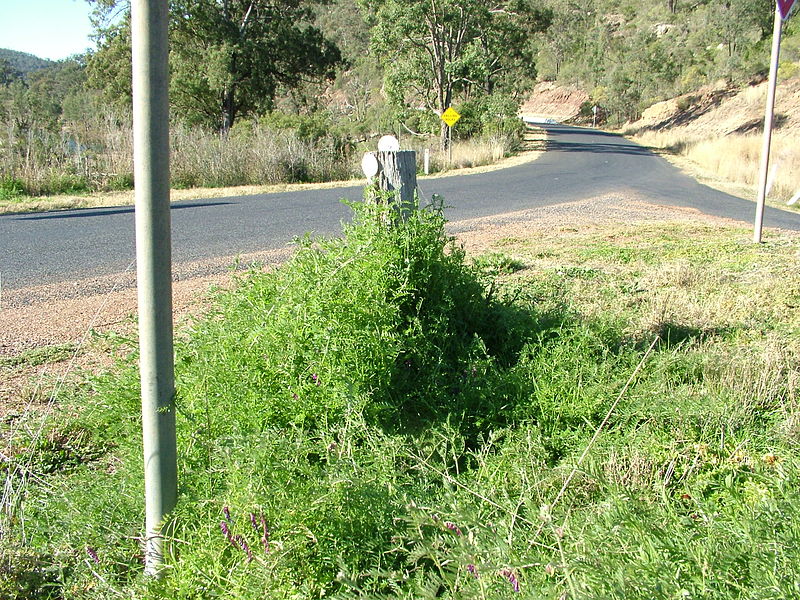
504, 43
7, 73
433, 50
229, 57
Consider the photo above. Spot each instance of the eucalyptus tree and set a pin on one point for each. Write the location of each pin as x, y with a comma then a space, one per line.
228, 58
7, 72
436, 50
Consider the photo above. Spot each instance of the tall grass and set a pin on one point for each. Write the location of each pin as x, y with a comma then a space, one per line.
255, 156
737, 158
96, 154
472, 152
382, 417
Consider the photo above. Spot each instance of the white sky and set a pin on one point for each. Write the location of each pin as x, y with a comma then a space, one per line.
53, 29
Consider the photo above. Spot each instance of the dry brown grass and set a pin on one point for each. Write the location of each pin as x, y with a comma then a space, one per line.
736, 159
468, 157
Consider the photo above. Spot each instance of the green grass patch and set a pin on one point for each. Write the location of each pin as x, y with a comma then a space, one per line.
39, 355
382, 417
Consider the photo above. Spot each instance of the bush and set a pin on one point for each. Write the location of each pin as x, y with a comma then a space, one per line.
384, 320
11, 188
376, 419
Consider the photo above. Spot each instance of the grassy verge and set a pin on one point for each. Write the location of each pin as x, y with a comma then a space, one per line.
470, 156
732, 163
385, 417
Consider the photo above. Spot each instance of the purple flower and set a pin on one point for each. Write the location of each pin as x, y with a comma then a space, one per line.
512, 579
472, 570
295, 397
315, 378
225, 530
265, 535
92, 554
452, 527
253, 521
227, 513
240, 541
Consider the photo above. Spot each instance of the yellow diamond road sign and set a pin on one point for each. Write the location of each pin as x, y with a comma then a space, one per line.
450, 116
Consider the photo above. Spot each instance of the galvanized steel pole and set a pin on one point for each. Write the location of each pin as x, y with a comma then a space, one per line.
149, 26
768, 122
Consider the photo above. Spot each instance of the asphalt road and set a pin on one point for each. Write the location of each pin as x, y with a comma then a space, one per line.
52, 247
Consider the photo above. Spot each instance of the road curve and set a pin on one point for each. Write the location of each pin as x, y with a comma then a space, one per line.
52, 247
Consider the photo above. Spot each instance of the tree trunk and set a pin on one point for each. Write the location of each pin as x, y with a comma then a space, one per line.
397, 173
228, 110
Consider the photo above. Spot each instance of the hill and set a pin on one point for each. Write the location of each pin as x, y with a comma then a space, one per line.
721, 109
22, 62
715, 131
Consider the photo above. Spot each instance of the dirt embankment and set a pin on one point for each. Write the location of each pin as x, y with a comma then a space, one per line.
712, 111
718, 110
551, 101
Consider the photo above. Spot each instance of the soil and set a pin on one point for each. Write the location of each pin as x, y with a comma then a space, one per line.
718, 110
552, 101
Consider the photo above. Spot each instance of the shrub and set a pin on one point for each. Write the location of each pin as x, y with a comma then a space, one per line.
11, 187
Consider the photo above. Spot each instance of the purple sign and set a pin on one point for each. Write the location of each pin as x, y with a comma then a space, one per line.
785, 7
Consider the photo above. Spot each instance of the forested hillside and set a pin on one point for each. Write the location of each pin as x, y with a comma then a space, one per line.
628, 54
265, 92
20, 63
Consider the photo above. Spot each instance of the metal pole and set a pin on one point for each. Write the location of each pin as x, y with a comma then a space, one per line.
768, 122
149, 26
449, 146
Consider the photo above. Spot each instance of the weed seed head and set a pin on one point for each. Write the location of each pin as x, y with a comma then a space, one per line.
453, 527
512, 579
225, 530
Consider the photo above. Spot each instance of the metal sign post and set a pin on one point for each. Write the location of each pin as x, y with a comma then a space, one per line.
450, 116
149, 26
782, 10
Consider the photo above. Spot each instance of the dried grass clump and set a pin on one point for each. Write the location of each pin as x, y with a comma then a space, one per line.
736, 158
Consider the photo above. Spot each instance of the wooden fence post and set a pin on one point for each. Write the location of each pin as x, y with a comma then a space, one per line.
397, 173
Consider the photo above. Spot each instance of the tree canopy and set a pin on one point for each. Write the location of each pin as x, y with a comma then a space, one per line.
436, 50
228, 58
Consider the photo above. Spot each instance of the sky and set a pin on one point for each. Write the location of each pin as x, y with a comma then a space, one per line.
53, 29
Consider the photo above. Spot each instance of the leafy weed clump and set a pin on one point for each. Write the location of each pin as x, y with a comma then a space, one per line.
380, 418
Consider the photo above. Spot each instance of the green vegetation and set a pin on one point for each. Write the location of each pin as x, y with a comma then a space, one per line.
383, 417
629, 54
436, 53
325, 78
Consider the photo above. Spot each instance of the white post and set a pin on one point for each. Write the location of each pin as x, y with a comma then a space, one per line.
768, 122
149, 26
427, 161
